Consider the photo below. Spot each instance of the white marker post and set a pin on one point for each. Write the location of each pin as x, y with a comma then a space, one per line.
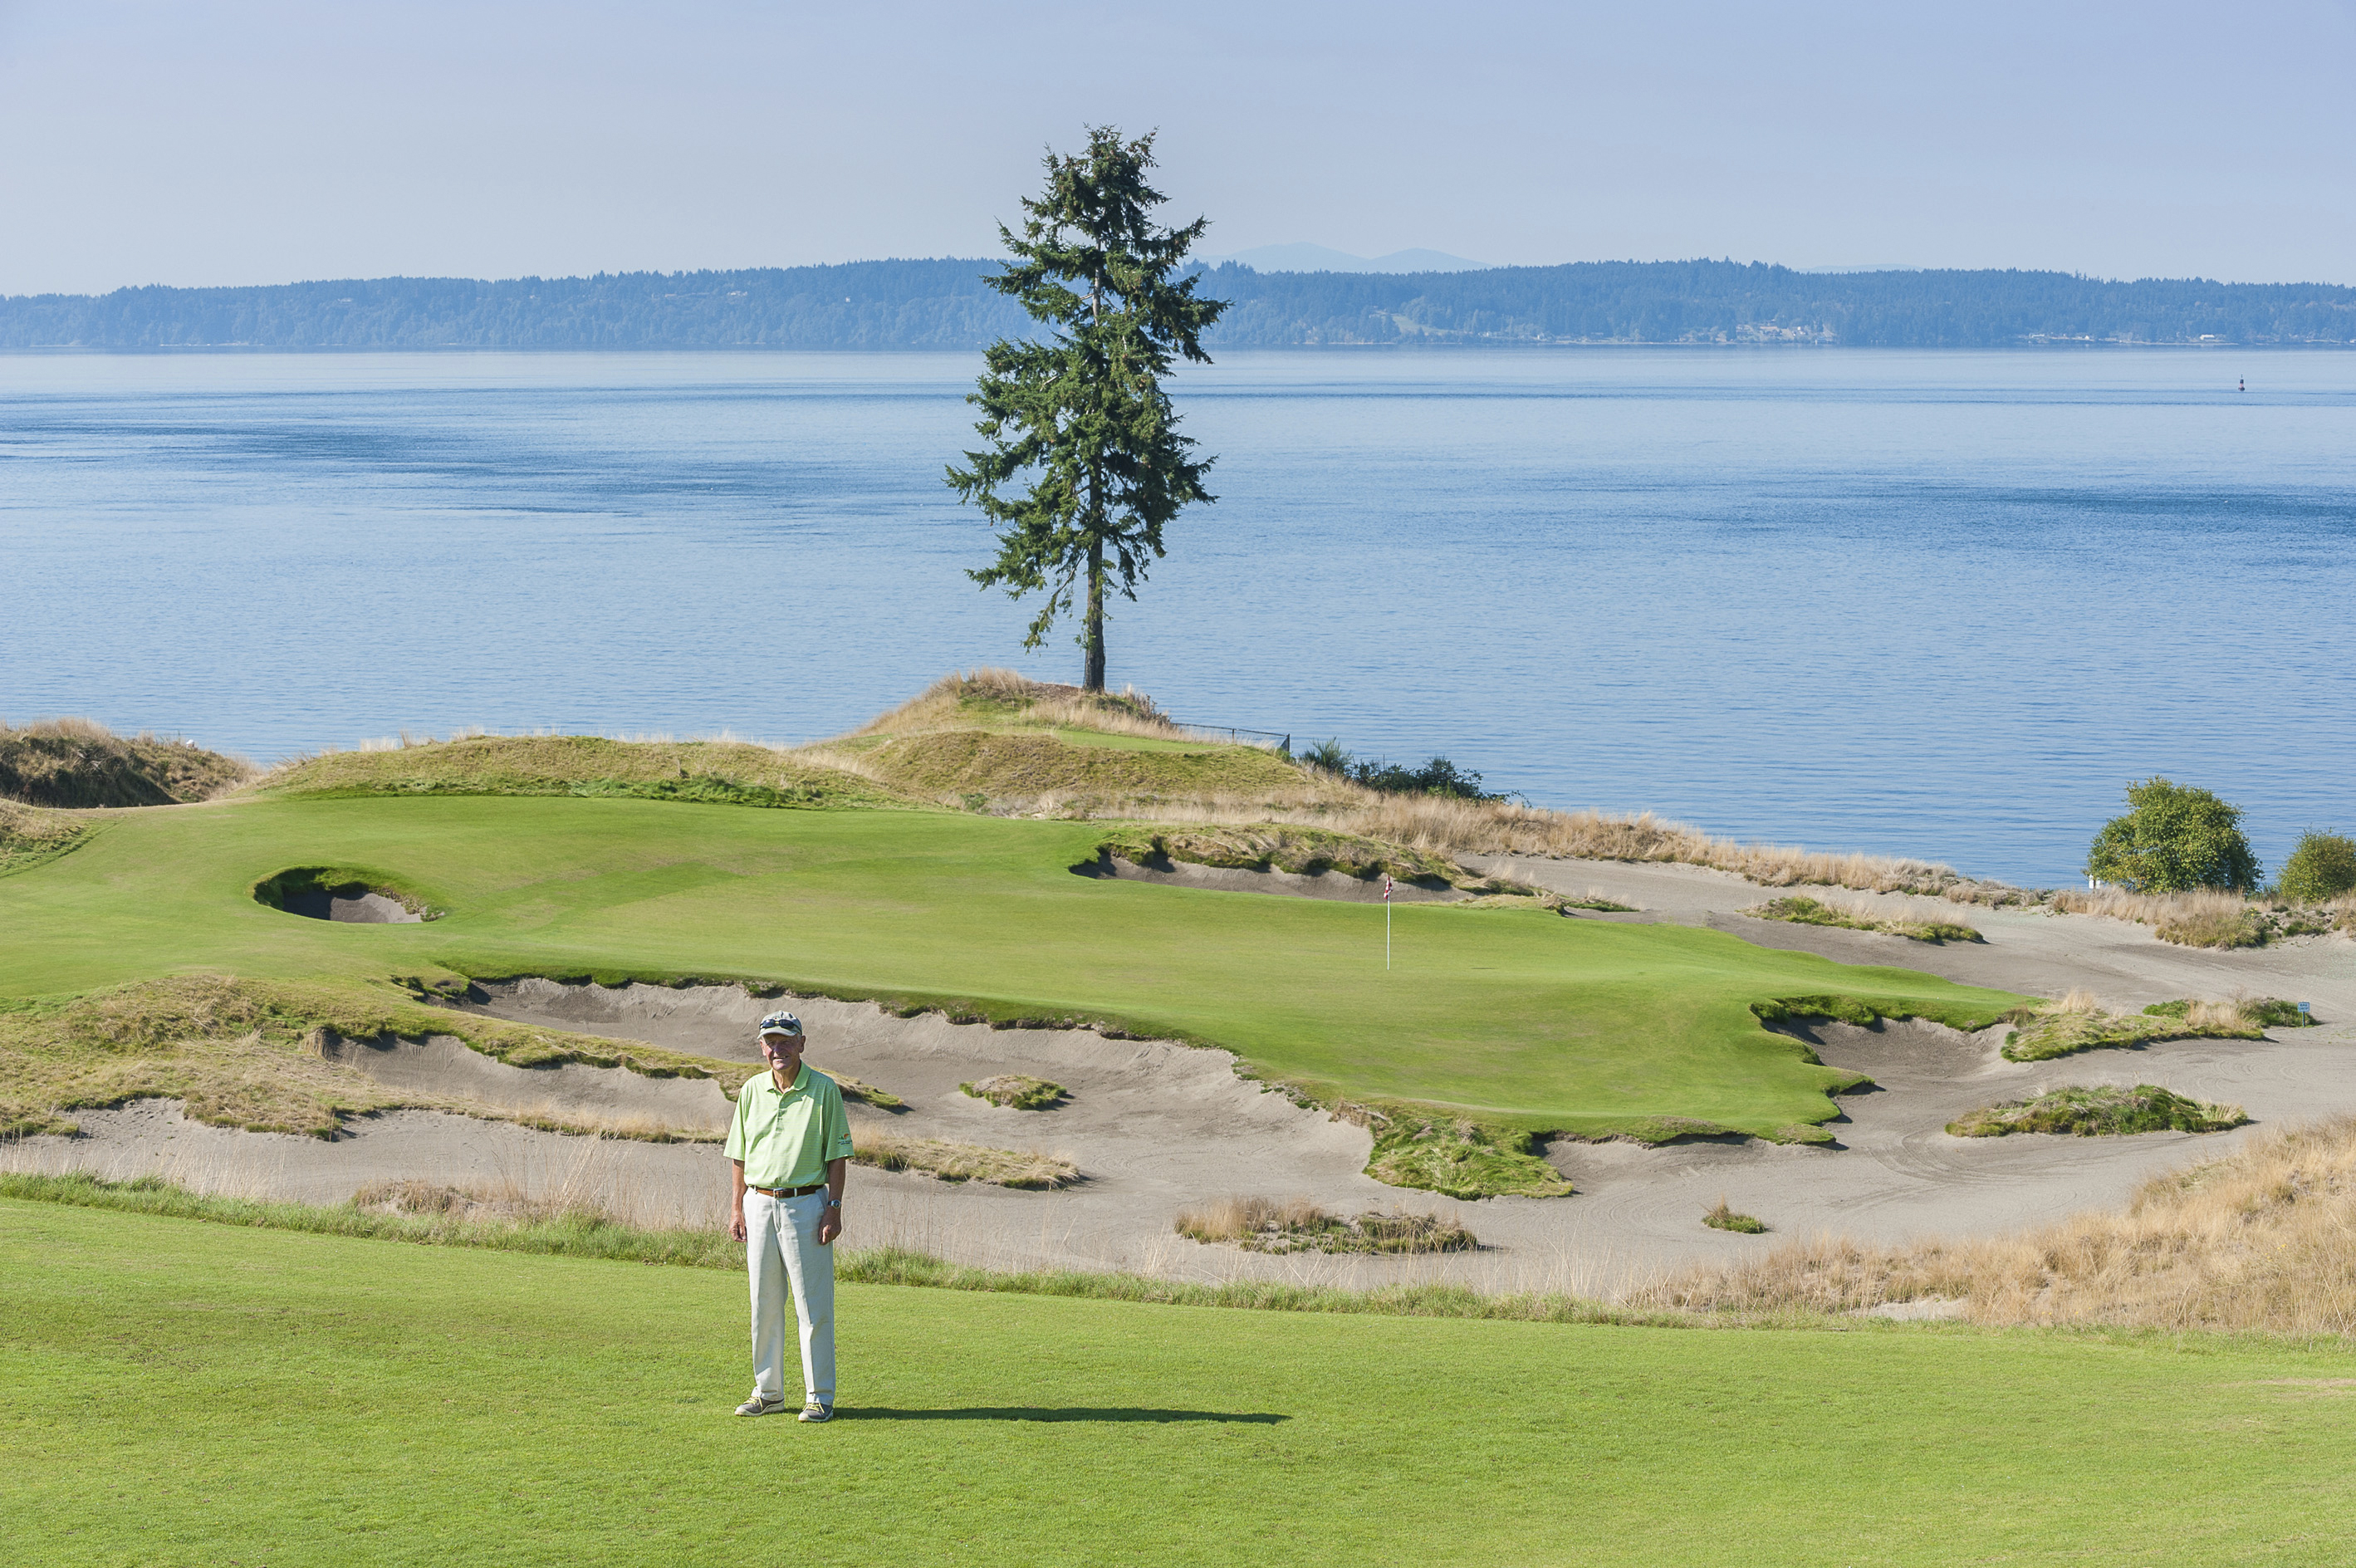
1387, 922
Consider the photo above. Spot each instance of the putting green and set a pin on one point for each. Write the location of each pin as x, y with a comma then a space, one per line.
1521, 1017
184, 1392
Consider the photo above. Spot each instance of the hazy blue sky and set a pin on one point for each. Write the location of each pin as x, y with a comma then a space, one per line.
243, 141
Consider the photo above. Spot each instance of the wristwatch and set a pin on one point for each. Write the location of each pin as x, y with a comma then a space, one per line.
831, 1203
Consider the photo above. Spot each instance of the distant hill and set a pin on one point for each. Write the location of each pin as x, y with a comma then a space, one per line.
1303, 258
943, 304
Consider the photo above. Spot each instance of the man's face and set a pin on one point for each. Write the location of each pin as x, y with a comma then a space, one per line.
782, 1053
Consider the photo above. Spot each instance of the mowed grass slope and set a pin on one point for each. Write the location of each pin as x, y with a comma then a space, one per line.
1524, 1018
177, 1391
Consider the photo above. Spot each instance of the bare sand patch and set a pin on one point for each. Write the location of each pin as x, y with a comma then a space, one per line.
572, 1092
2036, 953
353, 908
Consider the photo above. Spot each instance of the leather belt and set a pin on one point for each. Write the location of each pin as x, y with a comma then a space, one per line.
790, 1191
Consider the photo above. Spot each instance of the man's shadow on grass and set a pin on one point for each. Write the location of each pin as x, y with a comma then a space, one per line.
1046, 1412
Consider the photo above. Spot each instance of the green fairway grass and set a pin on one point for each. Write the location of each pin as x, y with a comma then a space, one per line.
1519, 1018
172, 1392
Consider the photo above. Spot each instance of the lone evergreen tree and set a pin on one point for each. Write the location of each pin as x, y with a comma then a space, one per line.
1079, 419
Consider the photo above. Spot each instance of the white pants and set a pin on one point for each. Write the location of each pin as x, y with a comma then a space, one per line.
789, 1269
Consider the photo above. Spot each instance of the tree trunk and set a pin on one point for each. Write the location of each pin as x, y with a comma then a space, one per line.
1094, 680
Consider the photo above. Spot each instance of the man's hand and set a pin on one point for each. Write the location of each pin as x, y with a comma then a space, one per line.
830, 1225
736, 1226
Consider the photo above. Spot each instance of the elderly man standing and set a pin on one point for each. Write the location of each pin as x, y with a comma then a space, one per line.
789, 1146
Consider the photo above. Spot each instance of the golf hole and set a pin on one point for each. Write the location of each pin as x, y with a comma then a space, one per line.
341, 894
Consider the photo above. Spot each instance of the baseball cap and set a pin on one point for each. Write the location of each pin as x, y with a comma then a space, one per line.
781, 1023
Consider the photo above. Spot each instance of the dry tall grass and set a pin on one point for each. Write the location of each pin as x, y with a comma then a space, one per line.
2081, 1023
508, 1201
1298, 1225
31, 834
65, 727
962, 1161
2264, 1239
79, 763
950, 702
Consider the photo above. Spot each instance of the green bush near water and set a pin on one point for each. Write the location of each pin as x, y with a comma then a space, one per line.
2174, 838
2321, 866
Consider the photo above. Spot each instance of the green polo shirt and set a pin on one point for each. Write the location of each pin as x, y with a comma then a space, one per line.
786, 1136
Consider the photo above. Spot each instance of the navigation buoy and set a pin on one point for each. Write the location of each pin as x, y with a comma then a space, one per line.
2242, 385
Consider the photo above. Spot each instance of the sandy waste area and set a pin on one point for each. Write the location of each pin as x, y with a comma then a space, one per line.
1157, 1127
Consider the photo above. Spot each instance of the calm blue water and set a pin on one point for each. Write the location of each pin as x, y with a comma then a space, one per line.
1944, 604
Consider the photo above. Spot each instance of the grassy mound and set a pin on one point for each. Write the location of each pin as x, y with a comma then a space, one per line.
1018, 1091
702, 772
460, 1432
1081, 770
994, 741
962, 1161
2265, 1011
1460, 1157
2077, 1023
1861, 918
76, 763
2104, 1110
1264, 1225
1721, 1218
247, 1053
30, 836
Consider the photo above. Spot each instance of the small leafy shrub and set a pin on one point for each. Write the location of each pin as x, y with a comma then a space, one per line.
1724, 1219
2173, 838
1437, 777
1017, 1092
1263, 1225
2106, 1110
2321, 866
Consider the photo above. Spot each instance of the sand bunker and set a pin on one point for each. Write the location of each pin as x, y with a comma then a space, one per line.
1161, 1127
318, 892
614, 1098
1337, 885
356, 908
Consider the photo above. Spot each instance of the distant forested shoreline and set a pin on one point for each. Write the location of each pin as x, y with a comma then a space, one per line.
945, 305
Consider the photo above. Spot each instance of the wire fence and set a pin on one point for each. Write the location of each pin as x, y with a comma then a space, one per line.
1282, 738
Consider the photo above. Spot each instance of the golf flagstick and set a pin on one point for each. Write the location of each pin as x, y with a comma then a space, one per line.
1386, 920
